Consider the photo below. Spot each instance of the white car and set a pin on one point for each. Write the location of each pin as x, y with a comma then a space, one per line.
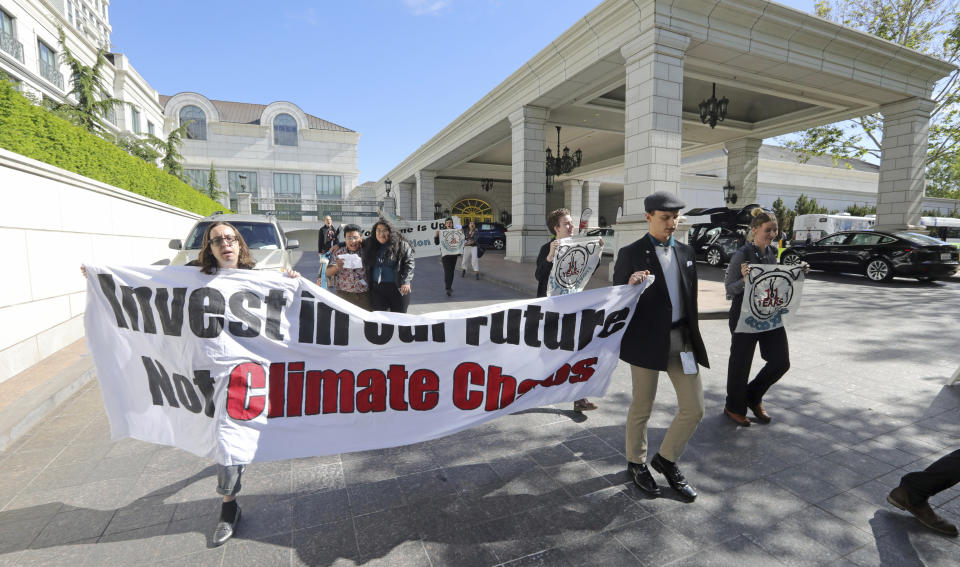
262, 233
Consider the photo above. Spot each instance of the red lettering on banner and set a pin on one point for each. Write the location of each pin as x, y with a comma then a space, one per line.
467, 373
501, 389
373, 396
243, 378
583, 370
294, 389
424, 390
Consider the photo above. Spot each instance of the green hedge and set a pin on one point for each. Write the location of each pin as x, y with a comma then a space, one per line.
36, 133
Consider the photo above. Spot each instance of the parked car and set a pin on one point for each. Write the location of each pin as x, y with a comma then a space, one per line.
878, 255
262, 233
715, 241
608, 235
491, 235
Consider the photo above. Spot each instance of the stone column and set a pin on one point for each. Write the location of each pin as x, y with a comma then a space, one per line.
591, 199
388, 207
573, 197
528, 188
404, 193
652, 124
423, 209
244, 203
903, 154
743, 157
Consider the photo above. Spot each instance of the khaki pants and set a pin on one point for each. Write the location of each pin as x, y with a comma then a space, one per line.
689, 390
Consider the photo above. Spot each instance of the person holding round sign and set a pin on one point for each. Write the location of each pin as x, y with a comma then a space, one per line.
449, 241
773, 344
561, 225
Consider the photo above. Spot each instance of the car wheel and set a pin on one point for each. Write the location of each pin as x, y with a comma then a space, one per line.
498, 244
790, 259
714, 257
879, 270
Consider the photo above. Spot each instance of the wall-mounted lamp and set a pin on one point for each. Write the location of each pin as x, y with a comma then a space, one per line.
728, 193
388, 184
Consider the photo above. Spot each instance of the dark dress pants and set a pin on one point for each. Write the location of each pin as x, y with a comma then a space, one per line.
449, 268
386, 297
938, 477
774, 350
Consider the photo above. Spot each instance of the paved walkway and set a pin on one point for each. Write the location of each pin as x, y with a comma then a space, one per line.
864, 402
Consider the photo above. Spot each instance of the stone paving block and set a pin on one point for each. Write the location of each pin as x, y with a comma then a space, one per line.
72, 525
458, 549
530, 490
739, 551
505, 538
866, 466
808, 487
140, 514
265, 517
133, 547
72, 554
653, 542
435, 518
790, 548
590, 448
206, 558
613, 508
16, 533
600, 549
472, 477
828, 530
189, 536
552, 455
380, 532
374, 496
273, 550
320, 508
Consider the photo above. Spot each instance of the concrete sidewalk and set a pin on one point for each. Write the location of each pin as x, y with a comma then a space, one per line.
861, 406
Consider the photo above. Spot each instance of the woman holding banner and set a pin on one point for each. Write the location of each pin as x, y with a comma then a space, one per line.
223, 247
561, 225
388, 261
773, 344
449, 261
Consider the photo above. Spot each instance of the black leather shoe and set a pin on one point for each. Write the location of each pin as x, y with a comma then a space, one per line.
642, 478
674, 477
225, 530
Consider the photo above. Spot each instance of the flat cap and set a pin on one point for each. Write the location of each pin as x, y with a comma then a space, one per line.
662, 201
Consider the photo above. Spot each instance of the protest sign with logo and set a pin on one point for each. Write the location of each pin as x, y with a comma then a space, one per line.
451, 242
247, 366
574, 262
771, 296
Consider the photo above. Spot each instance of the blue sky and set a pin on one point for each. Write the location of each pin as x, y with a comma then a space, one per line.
397, 71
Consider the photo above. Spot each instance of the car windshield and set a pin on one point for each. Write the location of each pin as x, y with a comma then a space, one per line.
920, 239
258, 235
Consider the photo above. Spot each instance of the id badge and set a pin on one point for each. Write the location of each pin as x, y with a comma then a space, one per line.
689, 362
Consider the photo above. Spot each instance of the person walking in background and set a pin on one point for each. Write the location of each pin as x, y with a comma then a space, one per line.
349, 283
328, 235
388, 262
663, 335
449, 261
561, 226
470, 249
916, 488
773, 344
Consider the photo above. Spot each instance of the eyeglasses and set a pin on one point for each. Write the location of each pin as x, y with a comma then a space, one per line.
221, 240
353, 237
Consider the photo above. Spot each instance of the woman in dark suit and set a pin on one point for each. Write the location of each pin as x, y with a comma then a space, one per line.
773, 344
388, 260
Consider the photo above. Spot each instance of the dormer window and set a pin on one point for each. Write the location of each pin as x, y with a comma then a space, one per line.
284, 130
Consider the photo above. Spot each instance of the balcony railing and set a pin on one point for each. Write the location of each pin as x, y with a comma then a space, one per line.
10, 44
50, 73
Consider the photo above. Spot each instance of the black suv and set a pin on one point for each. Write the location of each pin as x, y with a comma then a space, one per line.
715, 241
491, 235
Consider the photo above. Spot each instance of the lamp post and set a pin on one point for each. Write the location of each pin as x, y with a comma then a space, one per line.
436, 210
388, 184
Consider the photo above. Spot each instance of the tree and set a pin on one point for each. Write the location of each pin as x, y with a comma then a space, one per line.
146, 149
94, 102
213, 186
172, 160
784, 216
807, 206
929, 26
861, 210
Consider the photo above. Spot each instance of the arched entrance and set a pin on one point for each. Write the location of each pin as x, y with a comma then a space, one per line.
474, 210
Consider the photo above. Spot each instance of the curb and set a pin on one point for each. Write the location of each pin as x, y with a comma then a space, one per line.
17, 418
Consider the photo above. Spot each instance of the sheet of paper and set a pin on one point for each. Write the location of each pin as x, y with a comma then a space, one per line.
689, 362
351, 261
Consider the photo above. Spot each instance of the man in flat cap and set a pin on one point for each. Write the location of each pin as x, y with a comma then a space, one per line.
663, 335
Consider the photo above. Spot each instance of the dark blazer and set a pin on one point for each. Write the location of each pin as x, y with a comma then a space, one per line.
646, 341
323, 244
543, 270
403, 266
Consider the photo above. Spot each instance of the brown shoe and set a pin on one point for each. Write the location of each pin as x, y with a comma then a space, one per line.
922, 512
760, 413
583, 405
737, 418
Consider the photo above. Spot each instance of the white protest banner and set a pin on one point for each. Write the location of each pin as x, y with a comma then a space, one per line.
575, 261
771, 296
451, 242
247, 366
418, 233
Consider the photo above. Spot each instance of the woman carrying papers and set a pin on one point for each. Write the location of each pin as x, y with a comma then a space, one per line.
346, 269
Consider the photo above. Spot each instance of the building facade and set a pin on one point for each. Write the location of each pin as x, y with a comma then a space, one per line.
297, 165
30, 55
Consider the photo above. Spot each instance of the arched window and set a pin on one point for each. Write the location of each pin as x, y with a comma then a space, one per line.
474, 210
284, 130
197, 130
